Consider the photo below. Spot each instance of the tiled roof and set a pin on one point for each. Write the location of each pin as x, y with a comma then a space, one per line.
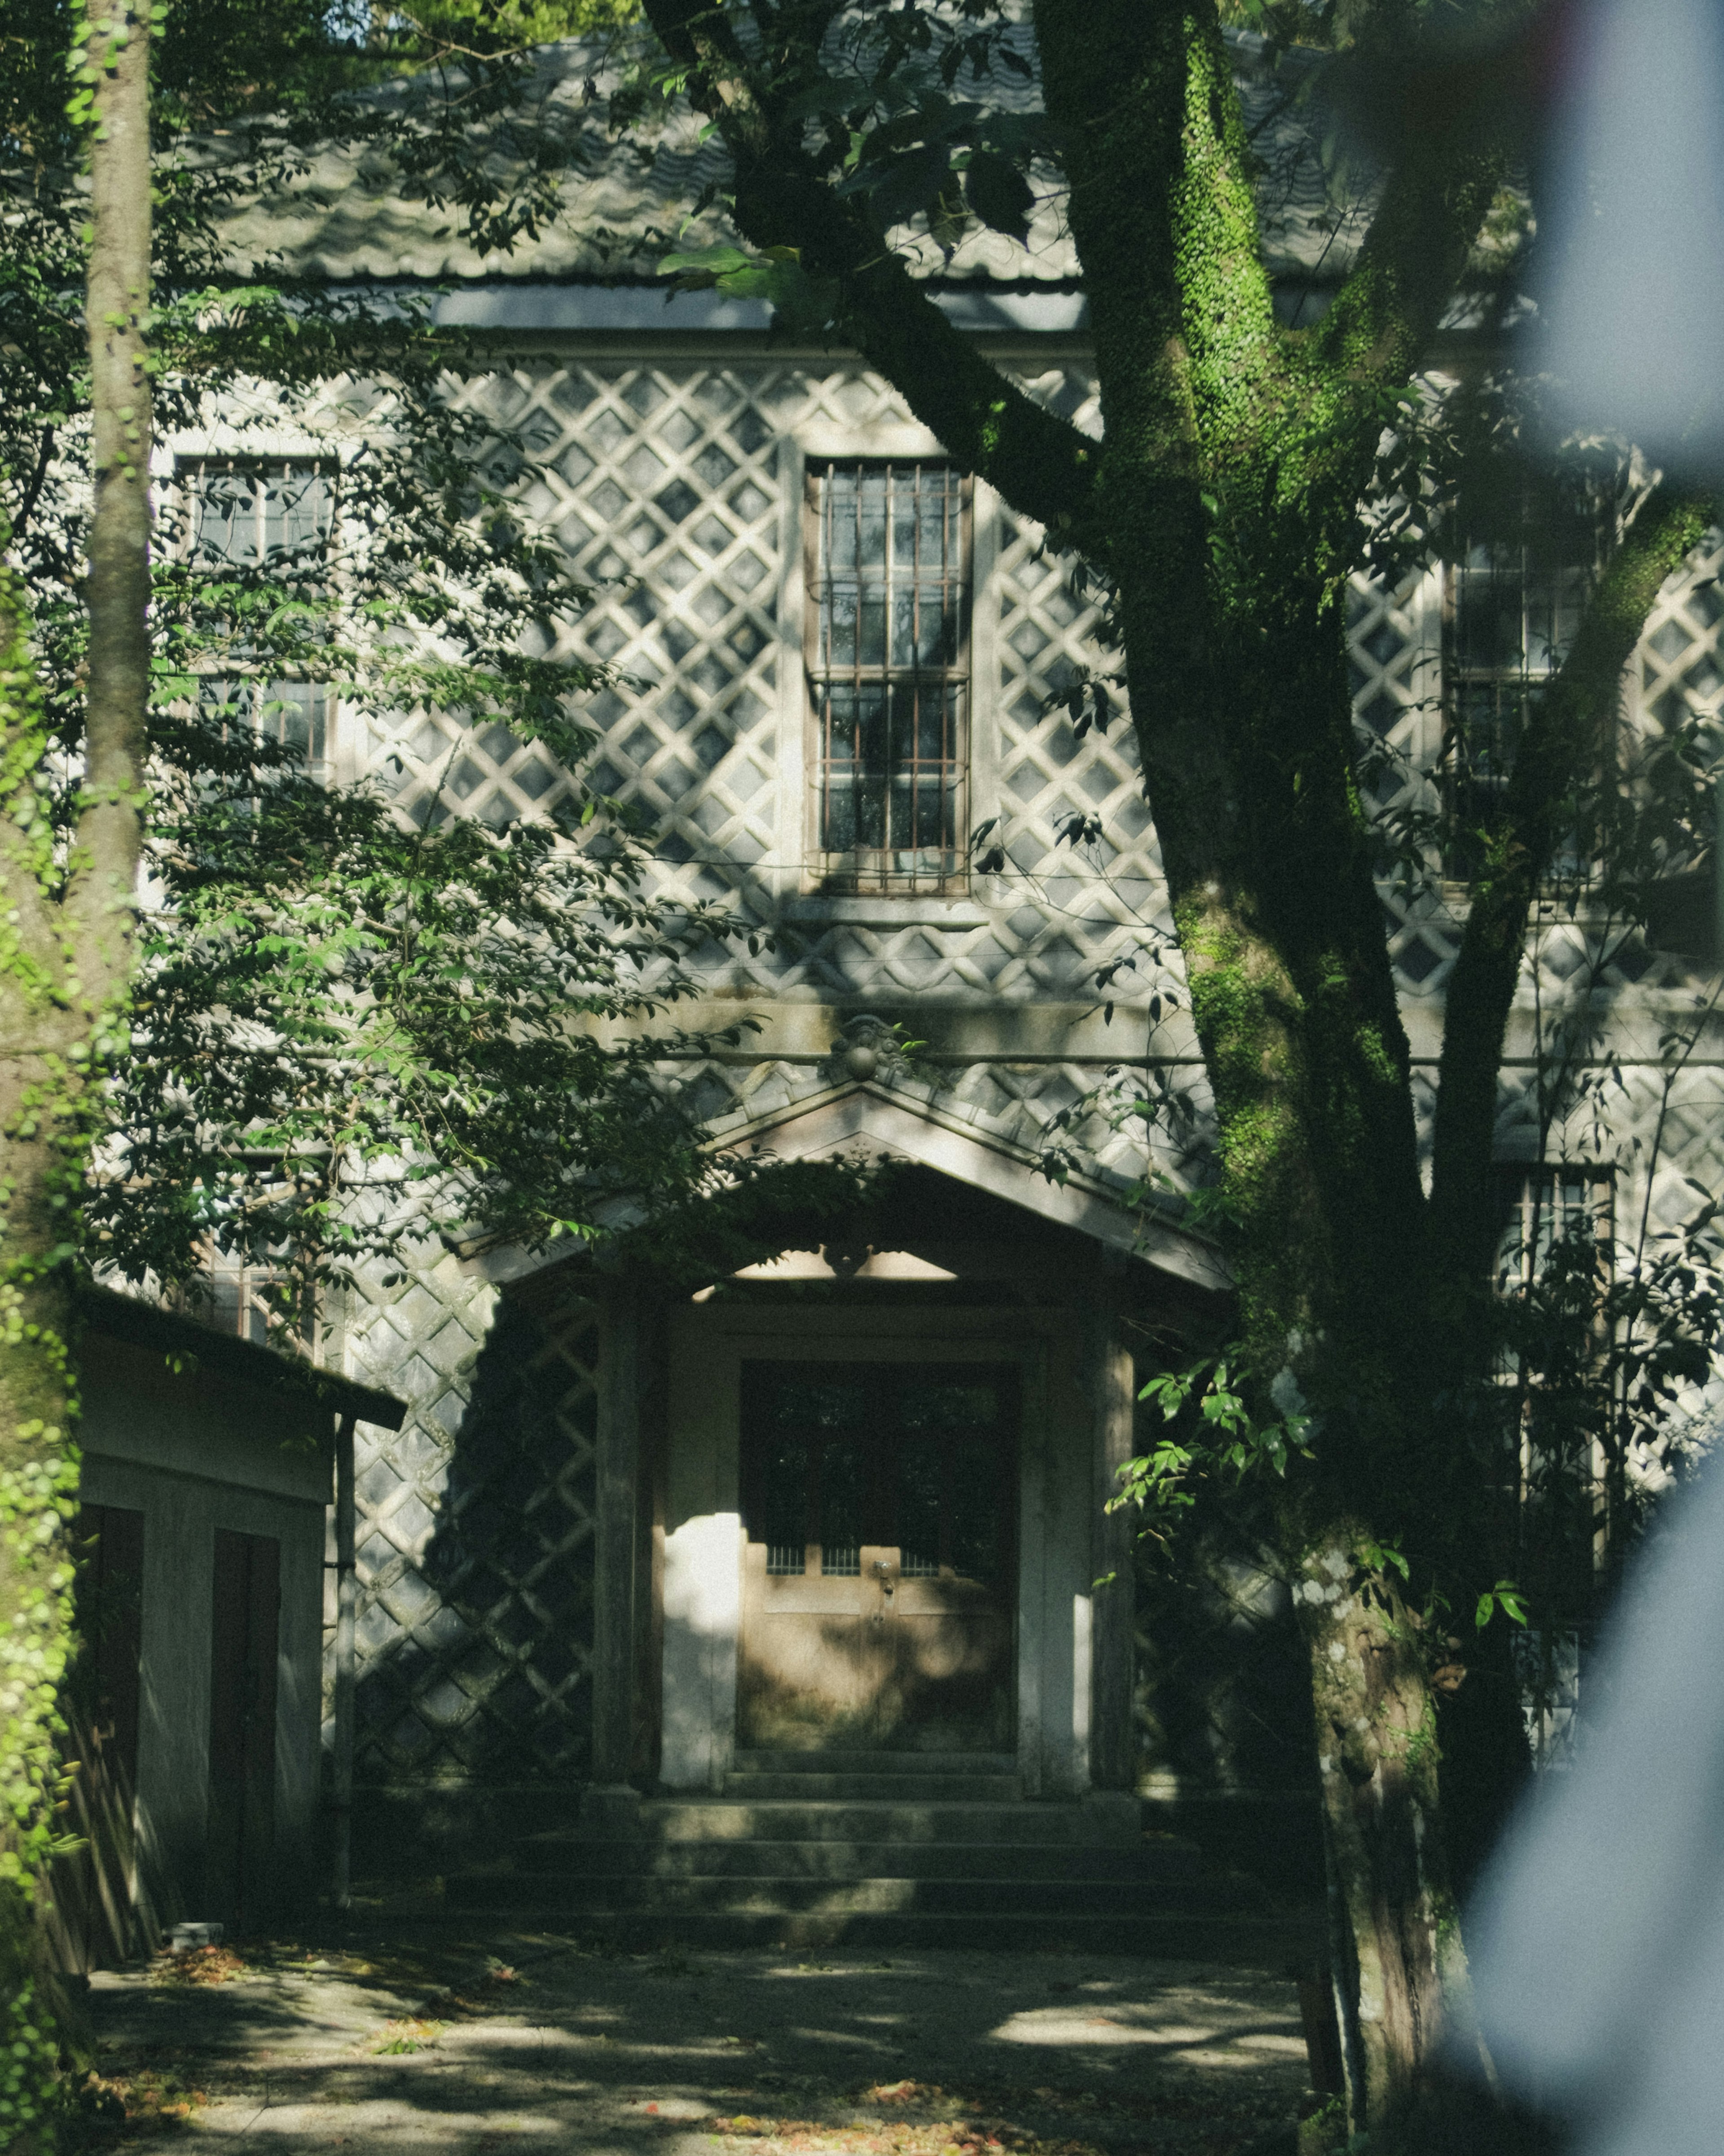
624, 200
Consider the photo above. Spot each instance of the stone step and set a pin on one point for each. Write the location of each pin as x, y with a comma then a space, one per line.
1246, 1942
723, 1819
567, 1891
876, 1787
875, 1763
569, 1853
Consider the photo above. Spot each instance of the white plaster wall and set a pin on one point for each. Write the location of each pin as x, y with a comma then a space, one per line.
703, 1612
703, 1567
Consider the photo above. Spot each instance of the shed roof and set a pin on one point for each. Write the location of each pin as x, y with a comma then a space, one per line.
350, 218
147, 1324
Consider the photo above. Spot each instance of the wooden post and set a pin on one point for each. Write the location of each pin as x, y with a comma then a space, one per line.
346, 1599
1113, 1391
611, 1801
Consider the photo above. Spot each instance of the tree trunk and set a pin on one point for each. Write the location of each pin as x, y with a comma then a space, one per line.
66, 951
1398, 1975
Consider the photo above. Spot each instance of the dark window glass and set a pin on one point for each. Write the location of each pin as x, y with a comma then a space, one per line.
890, 674
977, 1516
894, 1455
1513, 603
842, 1494
243, 516
784, 1504
295, 713
920, 1476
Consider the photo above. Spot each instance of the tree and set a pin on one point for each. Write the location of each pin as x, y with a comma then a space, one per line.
65, 961
247, 1010
1237, 485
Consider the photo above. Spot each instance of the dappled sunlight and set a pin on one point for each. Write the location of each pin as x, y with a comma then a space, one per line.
1222, 2039
449, 2051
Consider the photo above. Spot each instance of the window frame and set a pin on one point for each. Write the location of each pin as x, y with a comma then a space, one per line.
253, 1315
1522, 682
242, 693
189, 467
868, 872
247, 697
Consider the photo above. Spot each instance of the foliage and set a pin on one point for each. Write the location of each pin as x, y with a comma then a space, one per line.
350, 1030
335, 1001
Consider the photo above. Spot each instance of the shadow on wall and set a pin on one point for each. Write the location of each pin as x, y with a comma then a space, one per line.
474, 1632
1223, 1714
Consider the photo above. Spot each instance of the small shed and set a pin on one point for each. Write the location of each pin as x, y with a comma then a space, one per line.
210, 1543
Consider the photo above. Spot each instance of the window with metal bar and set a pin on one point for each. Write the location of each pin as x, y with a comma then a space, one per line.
1512, 602
1546, 1206
243, 514
250, 1296
889, 671
239, 515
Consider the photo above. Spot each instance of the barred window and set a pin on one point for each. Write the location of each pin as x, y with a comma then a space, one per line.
293, 713
888, 663
1547, 1206
1512, 603
242, 514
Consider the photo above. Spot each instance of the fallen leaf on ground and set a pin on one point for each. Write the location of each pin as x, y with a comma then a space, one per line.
396, 2039
199, 1965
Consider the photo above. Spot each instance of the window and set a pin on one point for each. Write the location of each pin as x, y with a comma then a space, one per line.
908, 1462
888, 666
246, 514
243, 514
1511, 604
1552, 1270
293, 713
250, 1299
1548, 1207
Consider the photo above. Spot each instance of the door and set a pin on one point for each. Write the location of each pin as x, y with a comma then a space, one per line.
877, 1595
246, 1631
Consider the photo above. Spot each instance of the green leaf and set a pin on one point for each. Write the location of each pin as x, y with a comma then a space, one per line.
998, 193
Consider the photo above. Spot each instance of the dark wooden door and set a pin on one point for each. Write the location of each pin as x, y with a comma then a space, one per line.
246, 1625
879, 1586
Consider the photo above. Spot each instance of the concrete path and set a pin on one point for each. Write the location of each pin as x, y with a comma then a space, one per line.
530, 2042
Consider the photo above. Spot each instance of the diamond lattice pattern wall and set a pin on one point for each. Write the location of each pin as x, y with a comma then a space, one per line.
672, 488
475, 1535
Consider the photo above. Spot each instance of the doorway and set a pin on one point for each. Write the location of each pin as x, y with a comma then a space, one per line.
245, 1630
880, 1505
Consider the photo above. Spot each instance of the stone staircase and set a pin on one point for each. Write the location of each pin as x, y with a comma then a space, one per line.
880, 1849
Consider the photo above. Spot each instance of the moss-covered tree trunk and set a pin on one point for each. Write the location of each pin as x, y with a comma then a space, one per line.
66, 939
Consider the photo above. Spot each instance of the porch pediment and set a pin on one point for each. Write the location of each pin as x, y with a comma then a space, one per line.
874, 1121
871, 1121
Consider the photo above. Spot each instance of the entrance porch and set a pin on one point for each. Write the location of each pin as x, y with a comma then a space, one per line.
852, 1500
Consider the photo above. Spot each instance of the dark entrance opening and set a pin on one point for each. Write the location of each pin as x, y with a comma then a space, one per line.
245, 1630
93, 1883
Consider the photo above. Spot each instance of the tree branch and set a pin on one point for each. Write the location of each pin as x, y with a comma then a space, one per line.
1567, 733
1166, 222
1380, 326
1043, 466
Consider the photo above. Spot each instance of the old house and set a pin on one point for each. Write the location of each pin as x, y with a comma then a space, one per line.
209, 1558
836, 1526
